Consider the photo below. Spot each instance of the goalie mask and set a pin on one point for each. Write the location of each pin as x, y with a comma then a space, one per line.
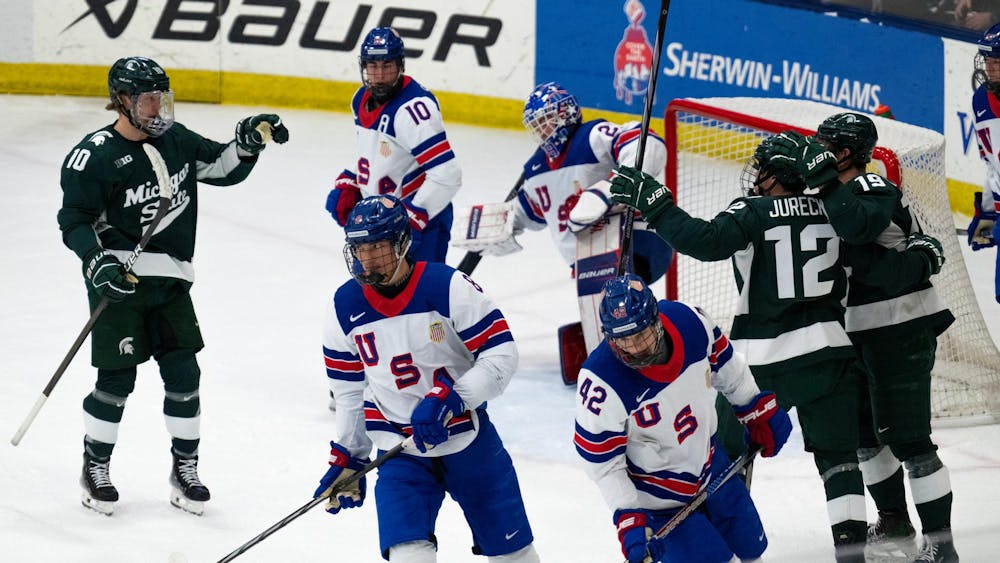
551, 115
852, 131
630, 321
762, 172
987, 62
147, 87
378, 238
381, 47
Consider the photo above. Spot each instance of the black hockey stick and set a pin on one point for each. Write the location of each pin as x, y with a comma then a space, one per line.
700, 498
166, 194
307, 506
647, 110
471, 259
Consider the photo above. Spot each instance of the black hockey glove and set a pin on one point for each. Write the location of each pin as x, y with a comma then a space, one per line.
253, 133
653, 197
930, 246
816, 165
107, 277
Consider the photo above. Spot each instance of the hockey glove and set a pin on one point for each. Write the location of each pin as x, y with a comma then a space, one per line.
342, 466
653, 197
767, 423
816, 165
930, 246
418, 216
343, 197
253, 133
980, 229
106, 276
430, 419
635, 537
585, 208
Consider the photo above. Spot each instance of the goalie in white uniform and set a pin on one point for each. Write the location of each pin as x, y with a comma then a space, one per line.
646, 427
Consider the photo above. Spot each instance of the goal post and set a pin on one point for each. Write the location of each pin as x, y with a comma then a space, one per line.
708, 142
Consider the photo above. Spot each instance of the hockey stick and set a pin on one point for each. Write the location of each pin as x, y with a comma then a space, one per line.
307, 506
647, 110
471, 259
166, 194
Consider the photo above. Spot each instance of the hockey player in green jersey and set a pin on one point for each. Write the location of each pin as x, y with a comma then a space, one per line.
893, 322
789, 321
110, 194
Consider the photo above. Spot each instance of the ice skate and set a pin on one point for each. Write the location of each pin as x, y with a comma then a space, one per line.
937, 547
187, 491
891, 538
99, 494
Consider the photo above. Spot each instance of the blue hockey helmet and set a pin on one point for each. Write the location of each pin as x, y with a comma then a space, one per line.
630, 321
551, 115
989, 48
376, 219
147, 87
382, 44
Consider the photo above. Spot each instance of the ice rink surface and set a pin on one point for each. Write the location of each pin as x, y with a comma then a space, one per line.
267, 262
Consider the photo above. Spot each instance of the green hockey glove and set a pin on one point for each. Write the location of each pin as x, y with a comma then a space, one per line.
640, 191
816, 165
930, 246
253, 133
107, 277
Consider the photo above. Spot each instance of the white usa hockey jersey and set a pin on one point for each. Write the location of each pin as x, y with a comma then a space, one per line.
646, 436
404, 151
590, 156
382, 354
986, 107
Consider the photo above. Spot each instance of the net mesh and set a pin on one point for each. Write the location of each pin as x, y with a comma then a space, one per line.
709, 140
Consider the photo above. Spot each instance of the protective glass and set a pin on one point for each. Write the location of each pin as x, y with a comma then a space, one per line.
153, 111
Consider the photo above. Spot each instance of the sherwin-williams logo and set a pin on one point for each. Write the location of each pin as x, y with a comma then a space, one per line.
633, 56
99, 9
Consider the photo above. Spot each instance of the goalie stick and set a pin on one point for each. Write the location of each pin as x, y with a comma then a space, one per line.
166, 194
471, 259
743, 461
647, 110
307, 506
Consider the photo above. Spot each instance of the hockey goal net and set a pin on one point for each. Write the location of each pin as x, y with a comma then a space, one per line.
709, 140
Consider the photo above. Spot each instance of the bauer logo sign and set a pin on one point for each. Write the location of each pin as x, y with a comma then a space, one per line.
320, 38
738, 48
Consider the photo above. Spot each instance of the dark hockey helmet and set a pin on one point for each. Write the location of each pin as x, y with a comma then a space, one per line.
630, 321
551, 115
989, 48
376, 219
762, 169
852, 131
381, 44
148, 87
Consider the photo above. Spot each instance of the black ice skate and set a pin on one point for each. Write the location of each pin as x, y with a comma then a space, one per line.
188, 494
99, 494
937, 547
891, 538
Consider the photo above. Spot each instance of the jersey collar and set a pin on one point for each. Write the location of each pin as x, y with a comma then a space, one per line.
390, 307
668, 372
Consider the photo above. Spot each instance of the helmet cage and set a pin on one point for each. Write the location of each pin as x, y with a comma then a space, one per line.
379, 237
551, 115
147, 87
630, 321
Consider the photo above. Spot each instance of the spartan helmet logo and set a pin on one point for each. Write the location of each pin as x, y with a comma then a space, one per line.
125, 347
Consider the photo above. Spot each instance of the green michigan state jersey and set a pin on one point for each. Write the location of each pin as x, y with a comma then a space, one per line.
786, 257
861, 209
110, 194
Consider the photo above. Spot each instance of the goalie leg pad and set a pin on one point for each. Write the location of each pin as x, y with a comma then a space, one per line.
487, 228
572, 351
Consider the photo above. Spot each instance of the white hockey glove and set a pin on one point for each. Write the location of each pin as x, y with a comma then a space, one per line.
487, 228
587, 207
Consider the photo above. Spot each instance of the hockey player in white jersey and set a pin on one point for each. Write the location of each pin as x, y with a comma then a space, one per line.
566, 181
402, 148
646, 425
416, 349
984, 230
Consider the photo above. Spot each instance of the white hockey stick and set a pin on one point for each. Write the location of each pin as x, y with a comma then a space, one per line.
166, 193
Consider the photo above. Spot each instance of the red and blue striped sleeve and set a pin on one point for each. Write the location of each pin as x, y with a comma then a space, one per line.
343, 366
489, 332
601, 447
